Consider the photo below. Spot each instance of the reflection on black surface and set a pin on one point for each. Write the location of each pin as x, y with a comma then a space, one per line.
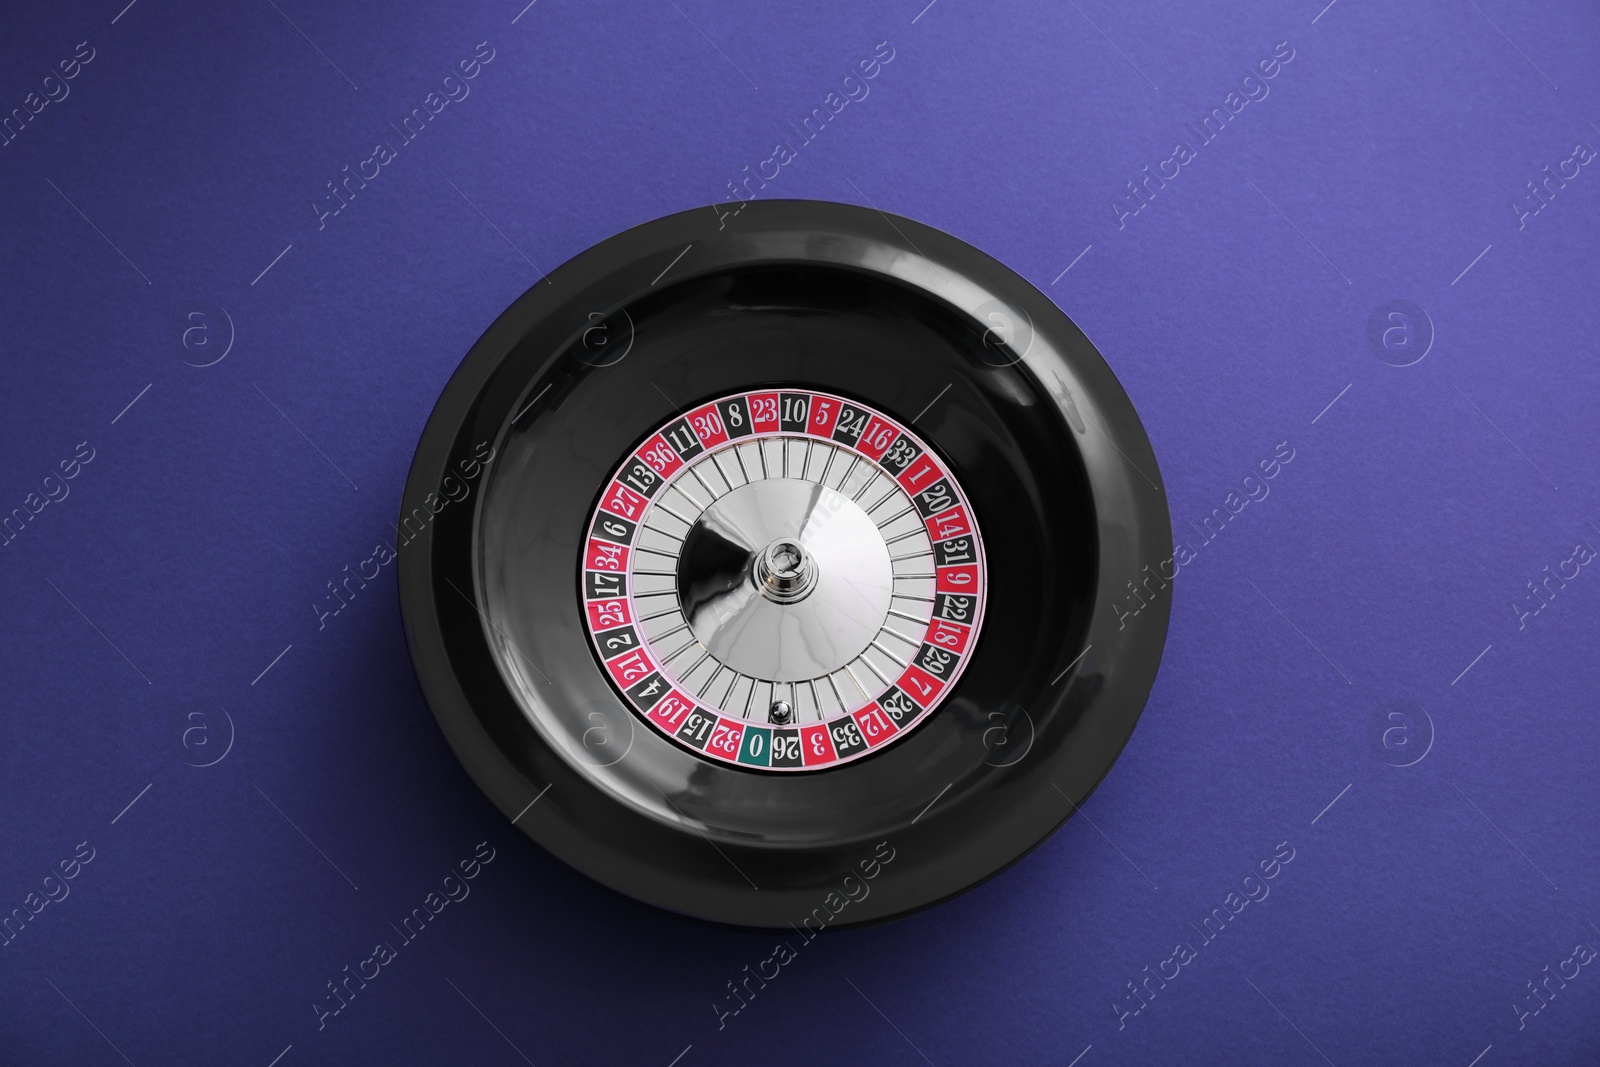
715, 562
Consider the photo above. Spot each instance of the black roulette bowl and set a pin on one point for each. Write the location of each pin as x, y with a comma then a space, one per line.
524, 567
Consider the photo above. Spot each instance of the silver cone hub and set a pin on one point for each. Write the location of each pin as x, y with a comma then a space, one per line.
785, 579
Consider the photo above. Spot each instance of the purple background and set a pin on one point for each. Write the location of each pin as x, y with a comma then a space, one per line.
1234, 308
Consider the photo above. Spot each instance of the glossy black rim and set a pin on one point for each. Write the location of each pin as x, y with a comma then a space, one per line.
846, 301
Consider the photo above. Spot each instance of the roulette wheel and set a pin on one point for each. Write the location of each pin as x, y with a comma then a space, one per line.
779, 565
